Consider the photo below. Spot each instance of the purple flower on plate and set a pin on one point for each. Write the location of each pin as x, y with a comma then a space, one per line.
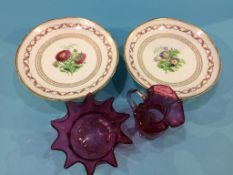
174, 61
164, 54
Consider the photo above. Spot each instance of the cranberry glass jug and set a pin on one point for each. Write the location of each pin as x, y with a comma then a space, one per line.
160, 109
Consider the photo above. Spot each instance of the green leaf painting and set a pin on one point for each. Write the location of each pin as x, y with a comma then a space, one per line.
168, 59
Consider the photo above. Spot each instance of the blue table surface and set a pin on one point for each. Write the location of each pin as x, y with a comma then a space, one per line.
203, 146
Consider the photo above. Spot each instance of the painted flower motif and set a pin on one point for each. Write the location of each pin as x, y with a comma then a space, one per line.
69, 60
164, 54
82, 58
168, 59
174, 61
63, 55
161, 109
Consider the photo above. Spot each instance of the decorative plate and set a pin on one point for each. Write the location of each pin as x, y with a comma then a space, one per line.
174, 53
67, 58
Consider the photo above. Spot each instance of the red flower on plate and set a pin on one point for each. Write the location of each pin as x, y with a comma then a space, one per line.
82, 59
63, 55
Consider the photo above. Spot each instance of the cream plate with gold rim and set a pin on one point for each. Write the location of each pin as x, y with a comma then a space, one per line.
171, 52
67, 58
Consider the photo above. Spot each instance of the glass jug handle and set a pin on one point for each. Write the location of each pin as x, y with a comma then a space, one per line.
131, 102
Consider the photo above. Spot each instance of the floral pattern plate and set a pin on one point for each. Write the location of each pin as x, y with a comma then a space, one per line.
174, 53
66, 58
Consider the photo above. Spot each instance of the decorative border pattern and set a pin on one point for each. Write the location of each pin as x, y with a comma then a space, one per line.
48, 80
181, 29
192, 47
56, 27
